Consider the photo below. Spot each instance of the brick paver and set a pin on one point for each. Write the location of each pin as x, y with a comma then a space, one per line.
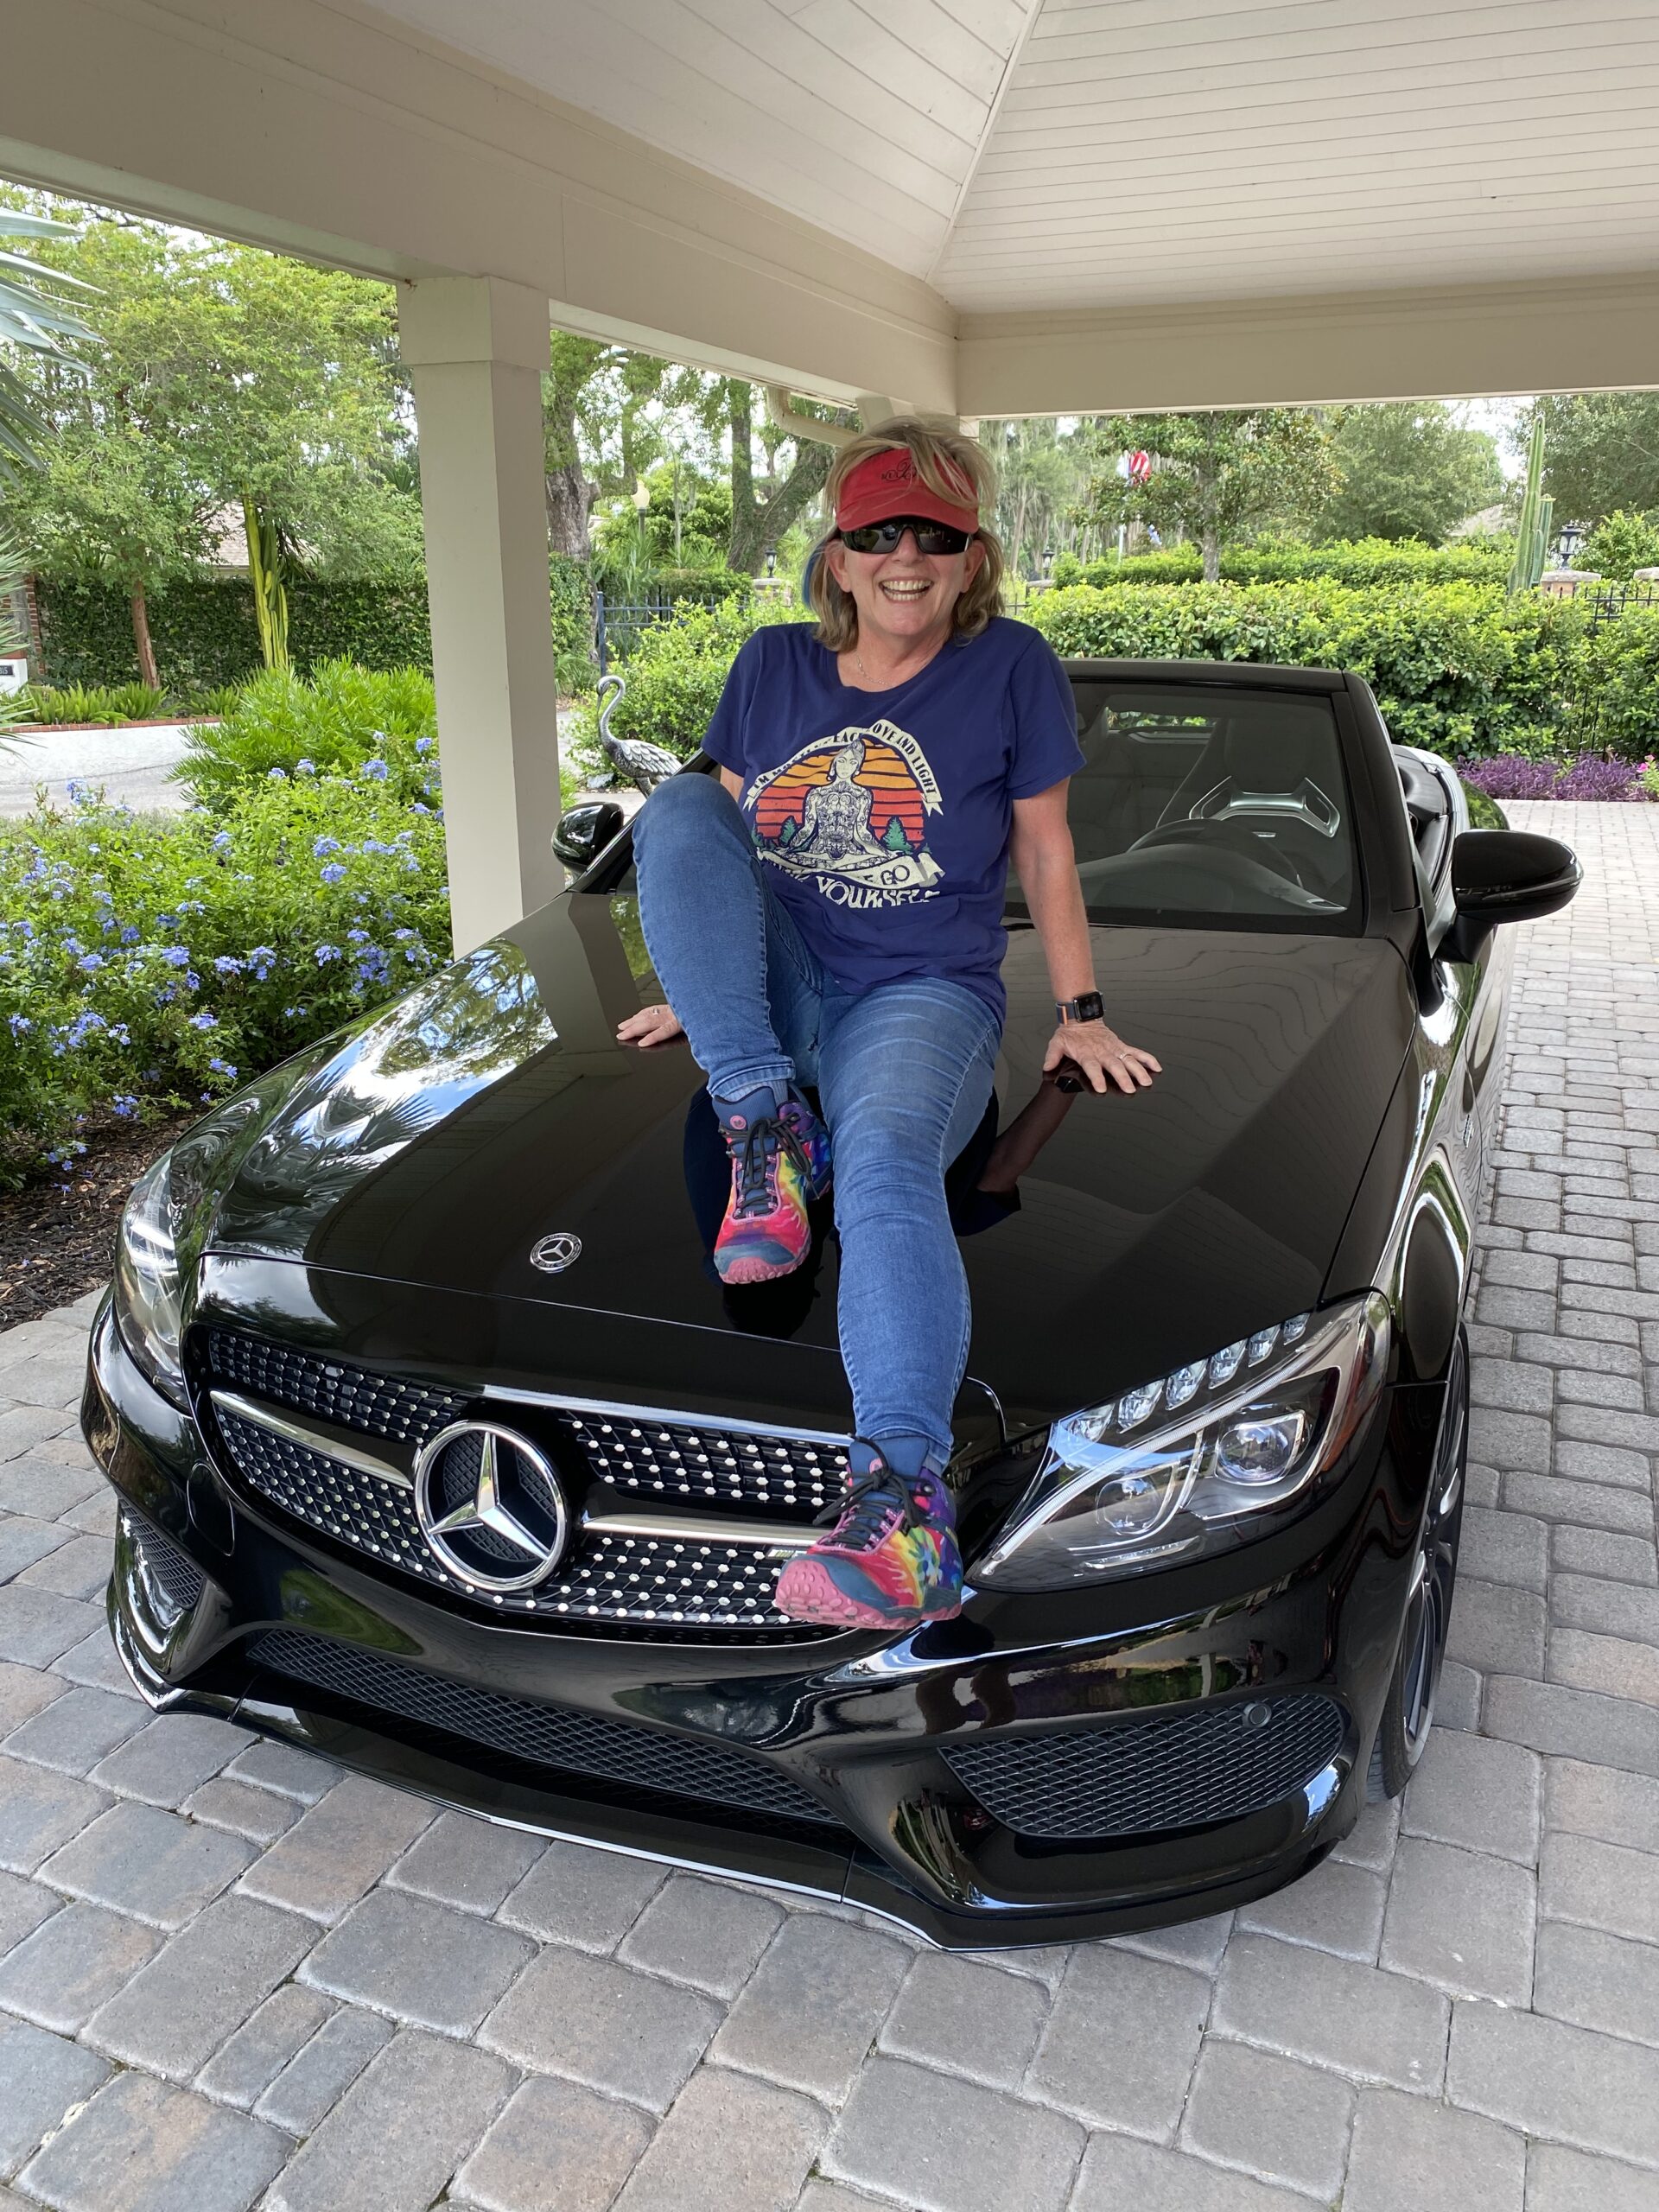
229, 1976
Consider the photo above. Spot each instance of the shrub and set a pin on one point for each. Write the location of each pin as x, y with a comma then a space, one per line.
1357, 563
1622, 679
105, 705
1619, 544
153, 961
1454, 666
380, 725
570, 595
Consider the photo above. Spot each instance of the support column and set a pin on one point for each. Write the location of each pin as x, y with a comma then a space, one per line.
475, 347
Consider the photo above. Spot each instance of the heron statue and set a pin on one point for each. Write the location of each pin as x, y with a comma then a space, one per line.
644, 764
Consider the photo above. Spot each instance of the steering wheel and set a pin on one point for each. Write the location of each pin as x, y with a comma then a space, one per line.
1233, 838
1224, 872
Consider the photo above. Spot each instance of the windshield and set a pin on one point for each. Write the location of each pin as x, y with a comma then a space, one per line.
1209, 807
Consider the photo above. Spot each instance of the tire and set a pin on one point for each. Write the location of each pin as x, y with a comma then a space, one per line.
1409, 1709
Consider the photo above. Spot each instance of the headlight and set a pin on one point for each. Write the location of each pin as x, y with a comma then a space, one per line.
1253, 1427
166, 1218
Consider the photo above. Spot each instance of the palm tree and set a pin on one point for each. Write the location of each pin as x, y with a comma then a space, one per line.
32, 318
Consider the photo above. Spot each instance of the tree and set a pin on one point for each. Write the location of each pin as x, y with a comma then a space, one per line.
220, 377
1602, 452
759, 520
1217, 477
1037, 481
1406, 469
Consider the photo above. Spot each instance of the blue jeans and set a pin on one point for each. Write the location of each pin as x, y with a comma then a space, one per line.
903, 1072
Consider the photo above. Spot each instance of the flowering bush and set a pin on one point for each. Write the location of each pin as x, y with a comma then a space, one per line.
1589, 777
153, 962
339, 718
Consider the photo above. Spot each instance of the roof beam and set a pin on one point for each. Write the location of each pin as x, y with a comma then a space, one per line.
1593, 334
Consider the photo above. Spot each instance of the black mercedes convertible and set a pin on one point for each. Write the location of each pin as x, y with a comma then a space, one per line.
441, 1447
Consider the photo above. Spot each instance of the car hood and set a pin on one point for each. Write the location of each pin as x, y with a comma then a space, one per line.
492, 1108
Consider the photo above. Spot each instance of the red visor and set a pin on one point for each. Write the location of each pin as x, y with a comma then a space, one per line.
887, 484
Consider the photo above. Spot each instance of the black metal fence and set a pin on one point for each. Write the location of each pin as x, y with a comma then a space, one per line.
1611, 600
618, 625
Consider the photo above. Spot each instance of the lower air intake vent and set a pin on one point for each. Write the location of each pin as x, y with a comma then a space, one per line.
641, 1759
1140, 1776
177, 1573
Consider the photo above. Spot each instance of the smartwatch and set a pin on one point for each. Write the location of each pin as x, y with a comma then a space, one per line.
1089, 1008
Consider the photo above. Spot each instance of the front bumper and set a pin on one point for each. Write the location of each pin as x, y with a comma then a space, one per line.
920, 1778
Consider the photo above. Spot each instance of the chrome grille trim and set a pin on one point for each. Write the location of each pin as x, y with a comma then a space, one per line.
670, 1417
770, 1535
310, 1439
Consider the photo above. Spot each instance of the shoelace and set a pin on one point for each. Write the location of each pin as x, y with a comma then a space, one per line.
861, 1517
765, 1139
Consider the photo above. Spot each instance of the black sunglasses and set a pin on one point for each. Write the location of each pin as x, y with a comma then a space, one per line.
883, 536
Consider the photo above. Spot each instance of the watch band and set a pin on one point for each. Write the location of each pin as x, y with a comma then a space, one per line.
1089, 1007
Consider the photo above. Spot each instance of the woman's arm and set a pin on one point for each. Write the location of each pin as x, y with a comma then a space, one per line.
1047, 869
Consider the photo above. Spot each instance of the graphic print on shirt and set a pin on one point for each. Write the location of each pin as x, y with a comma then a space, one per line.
850, 813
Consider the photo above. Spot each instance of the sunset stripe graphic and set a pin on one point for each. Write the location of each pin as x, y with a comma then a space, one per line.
885, 775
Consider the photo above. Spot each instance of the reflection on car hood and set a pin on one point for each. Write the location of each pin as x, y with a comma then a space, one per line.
492, 1107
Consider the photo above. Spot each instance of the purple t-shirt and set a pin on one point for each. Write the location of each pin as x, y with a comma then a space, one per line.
885, 816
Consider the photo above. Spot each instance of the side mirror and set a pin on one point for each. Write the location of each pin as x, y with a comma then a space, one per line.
1505, 875
584, 833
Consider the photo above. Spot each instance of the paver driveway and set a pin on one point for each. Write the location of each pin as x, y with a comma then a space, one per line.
231, 1975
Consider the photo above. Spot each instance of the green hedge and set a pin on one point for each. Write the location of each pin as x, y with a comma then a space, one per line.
1458, 667
205, 635
1357, 563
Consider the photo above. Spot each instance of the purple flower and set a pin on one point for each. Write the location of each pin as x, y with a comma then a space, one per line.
326, 953
176, 955
123, 1104
276, 775
305, 767
224, 964
204, 1021
1591, 778
89, 963
20, 1023
333, 873
374, 770
323, 847
222, 843
422, 745
221, 1067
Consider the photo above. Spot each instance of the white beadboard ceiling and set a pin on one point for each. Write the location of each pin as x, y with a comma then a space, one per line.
1028, 155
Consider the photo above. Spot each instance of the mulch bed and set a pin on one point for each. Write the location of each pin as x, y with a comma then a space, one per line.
55, 1244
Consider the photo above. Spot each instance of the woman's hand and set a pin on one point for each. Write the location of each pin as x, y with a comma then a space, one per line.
1102, 1055
652, 1025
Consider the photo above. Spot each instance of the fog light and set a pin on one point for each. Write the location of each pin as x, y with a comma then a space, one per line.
1260, 1450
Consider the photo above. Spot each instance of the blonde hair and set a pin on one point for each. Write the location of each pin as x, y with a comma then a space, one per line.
943, 460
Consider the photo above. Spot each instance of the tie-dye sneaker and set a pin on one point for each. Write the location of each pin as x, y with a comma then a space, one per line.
891, 1561
780, 1161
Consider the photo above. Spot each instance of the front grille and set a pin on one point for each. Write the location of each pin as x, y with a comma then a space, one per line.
630, 1581
787, 1478
642, 1760
376, 1405
1216, 1763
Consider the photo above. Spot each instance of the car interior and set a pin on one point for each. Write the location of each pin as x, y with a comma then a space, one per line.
1199, 804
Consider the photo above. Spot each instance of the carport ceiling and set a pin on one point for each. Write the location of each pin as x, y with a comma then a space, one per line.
1082, 155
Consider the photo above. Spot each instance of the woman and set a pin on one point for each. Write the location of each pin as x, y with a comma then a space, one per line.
829, 915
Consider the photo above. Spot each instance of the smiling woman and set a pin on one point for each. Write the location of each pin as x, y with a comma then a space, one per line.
826, 921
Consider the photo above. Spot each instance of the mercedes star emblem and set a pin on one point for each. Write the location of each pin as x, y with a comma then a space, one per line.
489, 1506
553, 1254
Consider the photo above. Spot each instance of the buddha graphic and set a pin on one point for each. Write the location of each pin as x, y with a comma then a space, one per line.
850, 812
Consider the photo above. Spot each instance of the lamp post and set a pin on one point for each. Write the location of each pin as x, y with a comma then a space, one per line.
641, 502
1571, 532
